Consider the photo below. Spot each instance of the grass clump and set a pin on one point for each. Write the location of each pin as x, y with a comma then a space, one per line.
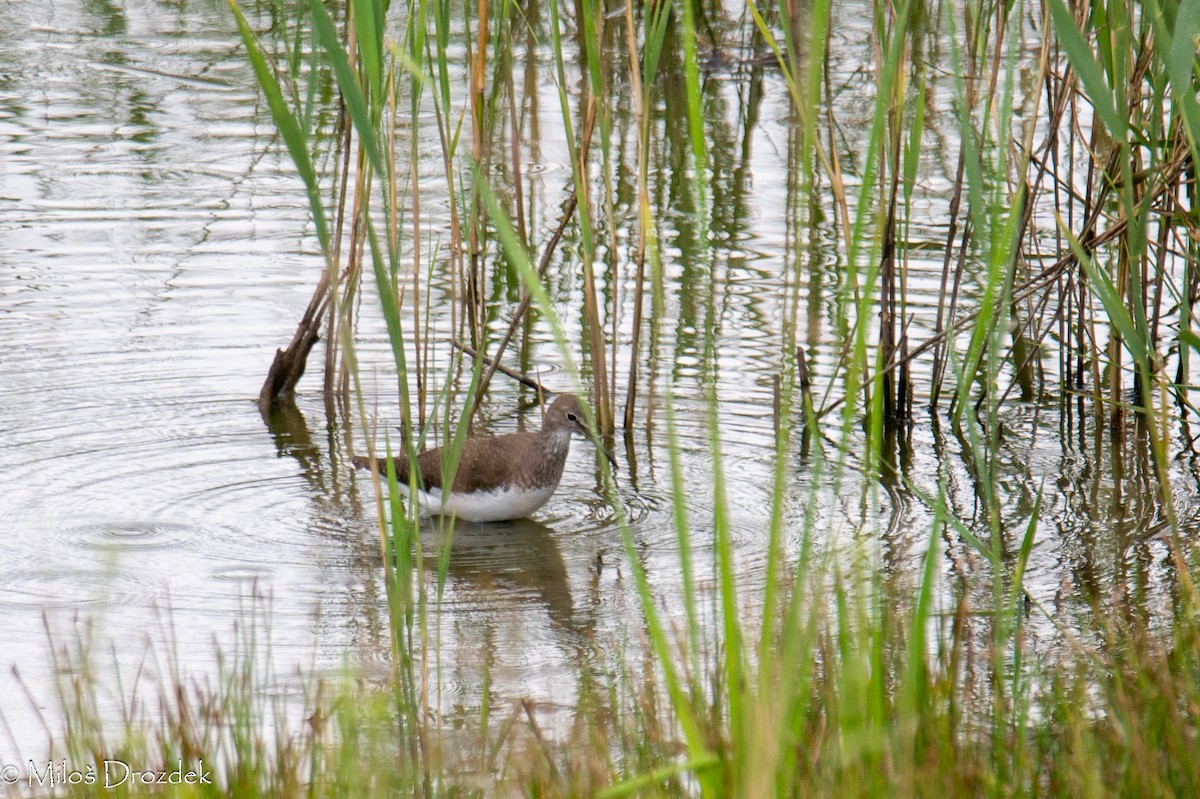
861, 700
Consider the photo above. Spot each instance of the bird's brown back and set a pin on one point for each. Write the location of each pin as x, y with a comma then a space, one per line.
522, 459
484, 464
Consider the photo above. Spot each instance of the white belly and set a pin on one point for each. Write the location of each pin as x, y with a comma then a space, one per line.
484, 506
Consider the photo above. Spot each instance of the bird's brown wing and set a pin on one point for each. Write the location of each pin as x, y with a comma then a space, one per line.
429, 465
487, 462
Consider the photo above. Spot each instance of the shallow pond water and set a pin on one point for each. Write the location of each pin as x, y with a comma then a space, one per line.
155, 249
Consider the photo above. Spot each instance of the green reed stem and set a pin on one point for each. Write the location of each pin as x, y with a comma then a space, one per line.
295, 136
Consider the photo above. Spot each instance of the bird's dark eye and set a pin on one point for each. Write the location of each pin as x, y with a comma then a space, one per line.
572, 417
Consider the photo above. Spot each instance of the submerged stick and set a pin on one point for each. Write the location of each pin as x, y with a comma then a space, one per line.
494, 365
288, 366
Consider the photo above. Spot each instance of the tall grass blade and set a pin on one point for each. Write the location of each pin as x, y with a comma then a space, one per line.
1110, 297
352, 93
295, 137
1080, 54
1183, 71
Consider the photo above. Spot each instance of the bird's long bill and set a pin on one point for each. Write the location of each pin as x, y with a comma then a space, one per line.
601, 448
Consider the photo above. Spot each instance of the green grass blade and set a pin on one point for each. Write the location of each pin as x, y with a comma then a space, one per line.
352, 93
691, 71
1110, 297
1183, 70
294, 136
693, 765
1082, 60
368, 28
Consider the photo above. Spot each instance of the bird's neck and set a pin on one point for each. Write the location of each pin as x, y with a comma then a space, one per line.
557, 437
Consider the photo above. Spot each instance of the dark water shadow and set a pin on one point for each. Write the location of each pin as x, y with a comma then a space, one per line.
521, 558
